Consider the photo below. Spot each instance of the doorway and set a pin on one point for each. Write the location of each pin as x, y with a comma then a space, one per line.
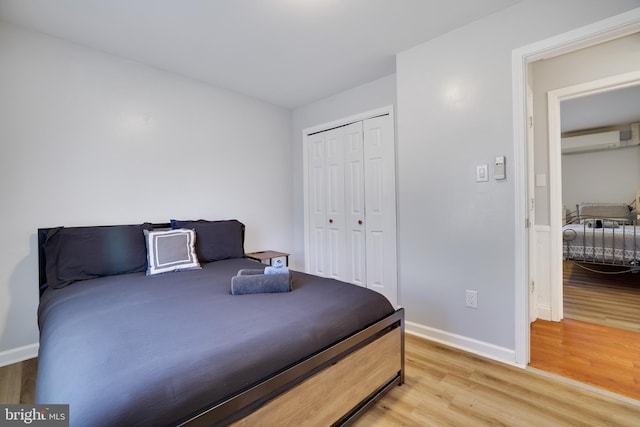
601, 170
592, 337
609, 29
555, 98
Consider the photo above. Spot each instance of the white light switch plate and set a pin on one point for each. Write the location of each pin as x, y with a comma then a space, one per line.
482, 173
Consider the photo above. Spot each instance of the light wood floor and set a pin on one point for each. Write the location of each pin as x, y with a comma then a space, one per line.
598, 342
594, 354
448, 387
18, 382
445, 386
606, 299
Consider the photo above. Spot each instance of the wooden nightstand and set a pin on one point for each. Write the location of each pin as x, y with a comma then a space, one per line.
262, 255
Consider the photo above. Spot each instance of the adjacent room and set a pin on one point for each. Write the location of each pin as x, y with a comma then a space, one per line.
600, 159
288, 212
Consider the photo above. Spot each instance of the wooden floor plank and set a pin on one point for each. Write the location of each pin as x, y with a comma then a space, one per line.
28, 381
606, 299
598, 342
10, 383
449, 387
594, 354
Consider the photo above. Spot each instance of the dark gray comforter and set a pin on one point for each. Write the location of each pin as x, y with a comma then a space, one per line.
138, 350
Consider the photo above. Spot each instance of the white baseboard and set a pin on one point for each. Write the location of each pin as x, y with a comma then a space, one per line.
19, 354
491, 351
543, 312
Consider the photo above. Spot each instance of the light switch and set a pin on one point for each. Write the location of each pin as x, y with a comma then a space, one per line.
482, 173
541, 180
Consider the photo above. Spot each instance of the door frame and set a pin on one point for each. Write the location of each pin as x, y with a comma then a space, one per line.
554, 98
598, 32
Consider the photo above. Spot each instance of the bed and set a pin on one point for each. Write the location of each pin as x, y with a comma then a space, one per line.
125, 347
602, 233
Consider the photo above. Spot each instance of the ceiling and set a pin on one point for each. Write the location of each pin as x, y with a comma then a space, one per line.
286, 52
616, 107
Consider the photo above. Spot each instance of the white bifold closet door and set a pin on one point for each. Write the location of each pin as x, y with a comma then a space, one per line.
352, 205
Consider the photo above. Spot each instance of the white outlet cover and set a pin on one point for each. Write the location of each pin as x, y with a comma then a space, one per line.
471, 298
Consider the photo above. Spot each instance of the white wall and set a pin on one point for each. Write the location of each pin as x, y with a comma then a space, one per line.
611, 176
370, 96
88, 138
455, 112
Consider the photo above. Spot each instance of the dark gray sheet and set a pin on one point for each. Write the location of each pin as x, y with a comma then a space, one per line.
148, 351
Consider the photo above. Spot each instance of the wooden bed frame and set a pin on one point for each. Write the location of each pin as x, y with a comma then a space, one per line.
354, 373
331, 387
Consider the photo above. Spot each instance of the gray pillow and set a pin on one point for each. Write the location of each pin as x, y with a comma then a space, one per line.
216, 240
80, 253
170, 250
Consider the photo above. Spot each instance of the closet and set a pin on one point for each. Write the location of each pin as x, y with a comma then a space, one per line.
351, 204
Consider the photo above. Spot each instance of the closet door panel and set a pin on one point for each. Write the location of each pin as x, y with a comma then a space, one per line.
317, 205
317, 252
352, 207
375, 274
380, 206
335, 207
335, 253
355, 204
357, 266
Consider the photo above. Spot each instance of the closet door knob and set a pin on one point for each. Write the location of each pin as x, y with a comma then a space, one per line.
330, 221
359, 222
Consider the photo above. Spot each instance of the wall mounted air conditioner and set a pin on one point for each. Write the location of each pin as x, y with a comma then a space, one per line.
601, 140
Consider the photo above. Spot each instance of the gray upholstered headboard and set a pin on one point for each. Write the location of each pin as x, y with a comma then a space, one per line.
620, 212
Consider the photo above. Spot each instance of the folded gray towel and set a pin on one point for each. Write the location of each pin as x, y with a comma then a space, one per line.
276, 270
251, 281
250, 271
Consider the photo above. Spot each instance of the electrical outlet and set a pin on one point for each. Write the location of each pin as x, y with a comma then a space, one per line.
472, 298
